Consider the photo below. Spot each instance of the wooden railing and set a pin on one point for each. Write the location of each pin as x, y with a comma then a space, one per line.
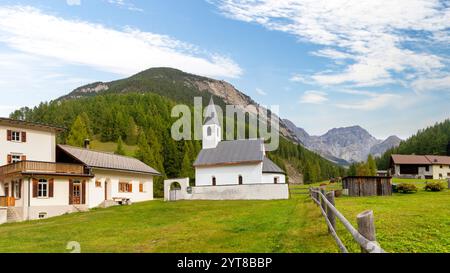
42, 167
7, 201
364, 236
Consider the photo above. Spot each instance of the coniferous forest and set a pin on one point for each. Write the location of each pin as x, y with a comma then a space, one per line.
433, 140
143, 120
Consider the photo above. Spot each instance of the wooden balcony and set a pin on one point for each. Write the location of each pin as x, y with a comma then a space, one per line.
40, 167
7, 201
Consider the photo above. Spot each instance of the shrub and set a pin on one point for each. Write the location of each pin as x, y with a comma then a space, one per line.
323, 184
434, 186
406, 188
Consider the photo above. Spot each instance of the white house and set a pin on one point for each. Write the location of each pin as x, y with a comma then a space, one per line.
420, 166
40, 179
235, 169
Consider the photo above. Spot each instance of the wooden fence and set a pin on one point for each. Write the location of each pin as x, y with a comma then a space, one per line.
364, 235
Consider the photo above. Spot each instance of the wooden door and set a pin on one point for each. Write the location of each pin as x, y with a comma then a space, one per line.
76, 193
106, 190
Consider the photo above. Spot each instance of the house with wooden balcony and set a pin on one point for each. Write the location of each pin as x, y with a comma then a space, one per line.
40, 179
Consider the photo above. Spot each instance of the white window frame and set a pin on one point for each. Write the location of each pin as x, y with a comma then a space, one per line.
42, 188
17, 189
16, 136
16, 158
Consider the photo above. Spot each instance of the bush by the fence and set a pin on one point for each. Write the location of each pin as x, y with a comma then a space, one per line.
406, 188
434, 186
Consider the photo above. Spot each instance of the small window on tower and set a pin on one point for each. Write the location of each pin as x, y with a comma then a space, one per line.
209, 131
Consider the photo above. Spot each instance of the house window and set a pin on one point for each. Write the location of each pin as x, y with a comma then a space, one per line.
275, 180
441, 166
15, 158
141, 187
240, 180
427, 168
42, 215
98, 184
209, 131
440, 175
43, 188
16, 189
125, 187
213, 180
15, 136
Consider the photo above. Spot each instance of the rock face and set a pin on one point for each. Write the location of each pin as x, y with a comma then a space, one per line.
350, 144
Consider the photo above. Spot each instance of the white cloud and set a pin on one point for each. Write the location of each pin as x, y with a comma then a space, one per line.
437, 83
371, 34
73, 2
300, 78
372, 102
125, 4
314, 97
123, 52
260, 92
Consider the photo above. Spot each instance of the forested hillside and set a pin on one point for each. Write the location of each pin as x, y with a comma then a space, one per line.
433, 140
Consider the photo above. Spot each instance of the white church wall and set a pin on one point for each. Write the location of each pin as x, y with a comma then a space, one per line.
270, 177
241, 192
229, 174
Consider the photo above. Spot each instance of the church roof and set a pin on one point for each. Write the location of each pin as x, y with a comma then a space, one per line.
270, 167
211, 117
232, 152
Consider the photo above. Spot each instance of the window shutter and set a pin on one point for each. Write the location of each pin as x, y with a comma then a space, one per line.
24, 158
9, 159
131, 187
9, 135
35, 187
70, 191
19, 194
83, 192
24, 136
141, 187
12, 188
50, 187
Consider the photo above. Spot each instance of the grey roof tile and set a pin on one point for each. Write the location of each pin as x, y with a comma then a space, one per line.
270, 167
232, 151
106, 160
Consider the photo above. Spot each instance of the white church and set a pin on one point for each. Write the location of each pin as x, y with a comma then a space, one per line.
232, 170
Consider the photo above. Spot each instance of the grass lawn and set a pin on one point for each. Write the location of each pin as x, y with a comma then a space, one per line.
293, 225
417, 222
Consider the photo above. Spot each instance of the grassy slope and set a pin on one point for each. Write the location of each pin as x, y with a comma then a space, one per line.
112, 146
186, 226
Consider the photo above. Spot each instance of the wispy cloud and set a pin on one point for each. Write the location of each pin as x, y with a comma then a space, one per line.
125, 4
313, 97
73, 2
380, 41
261, 92
372, 100
124, 52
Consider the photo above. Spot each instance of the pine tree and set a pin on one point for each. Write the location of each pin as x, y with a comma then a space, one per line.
372, 166
120, 150
78, 133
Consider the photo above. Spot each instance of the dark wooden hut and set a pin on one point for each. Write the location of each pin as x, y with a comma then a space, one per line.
367, 185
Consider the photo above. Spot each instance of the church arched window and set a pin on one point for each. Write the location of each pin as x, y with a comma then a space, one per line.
209, 131
240, 180
213, 180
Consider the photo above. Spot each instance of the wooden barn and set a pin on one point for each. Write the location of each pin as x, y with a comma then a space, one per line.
367, 185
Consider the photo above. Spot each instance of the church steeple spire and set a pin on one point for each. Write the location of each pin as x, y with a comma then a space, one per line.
212, 133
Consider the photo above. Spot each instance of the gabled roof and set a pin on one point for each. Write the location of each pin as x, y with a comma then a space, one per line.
409, 159
420, 159
438, 159
232, 152
29, 124
270, 167
104, 160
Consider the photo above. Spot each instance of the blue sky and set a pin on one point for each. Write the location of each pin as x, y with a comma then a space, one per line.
383, 65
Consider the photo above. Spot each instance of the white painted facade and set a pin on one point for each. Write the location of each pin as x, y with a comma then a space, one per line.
39, 146
229, 174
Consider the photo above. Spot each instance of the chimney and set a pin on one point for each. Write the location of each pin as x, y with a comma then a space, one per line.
87, 143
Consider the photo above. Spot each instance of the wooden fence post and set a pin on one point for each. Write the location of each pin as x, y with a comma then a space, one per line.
322, 203
366, 226
330, 213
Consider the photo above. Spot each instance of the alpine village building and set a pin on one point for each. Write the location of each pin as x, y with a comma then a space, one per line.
40, 179
420, 166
